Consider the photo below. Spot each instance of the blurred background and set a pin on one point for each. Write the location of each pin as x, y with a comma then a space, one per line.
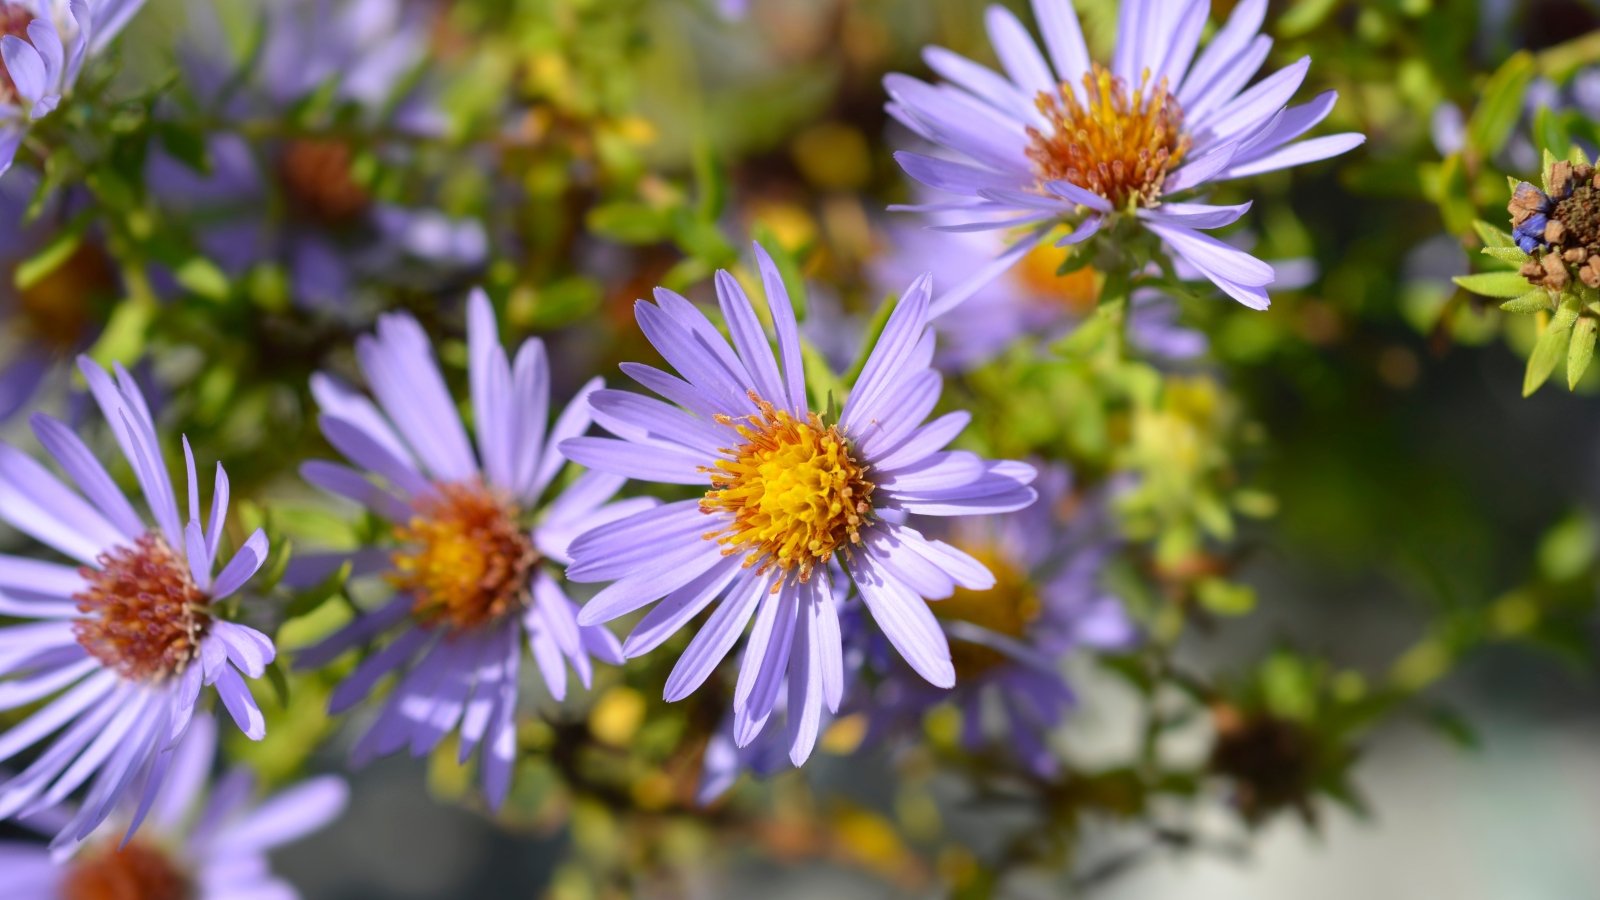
1362, 562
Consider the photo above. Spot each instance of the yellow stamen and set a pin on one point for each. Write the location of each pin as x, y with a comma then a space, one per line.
465, 559
793, 489
1121, 145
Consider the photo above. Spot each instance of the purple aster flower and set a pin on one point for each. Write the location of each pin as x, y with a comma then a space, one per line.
214, 851
323, 223
1087, 144
1008, 643
43, 46
788, 494
477, 552
57, 315
1028, 299
125, 641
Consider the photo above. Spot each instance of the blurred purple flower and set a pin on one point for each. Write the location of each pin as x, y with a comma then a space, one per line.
1032, 149
474, 582
321, 220
43, 46
128, 638
789, 494
217, 851
1048, 602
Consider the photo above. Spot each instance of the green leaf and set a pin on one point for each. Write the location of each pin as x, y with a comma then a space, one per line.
1497, 113
1513, 255
1492, 236
201, 277
1494, 284
1552, 345
56, 252
629, 223
1549, 129
186, 145
1581, 350
1534, 301
1225, 598
279, 682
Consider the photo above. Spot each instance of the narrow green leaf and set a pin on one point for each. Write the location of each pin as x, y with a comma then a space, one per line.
1513, 255
279, 682
56, 252
311, 599
1534, 301
1549, 129
1494, 284
1549, 350
1497, 113
1581, 350
1492, 236
628, 223
201, 277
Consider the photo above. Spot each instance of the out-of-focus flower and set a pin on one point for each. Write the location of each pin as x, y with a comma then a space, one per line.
43, 46
474, 580
127, 639
214, 851
1009, 643
323, 221
1448, 125
1029, 299
44, 324
789, 494
1089, 145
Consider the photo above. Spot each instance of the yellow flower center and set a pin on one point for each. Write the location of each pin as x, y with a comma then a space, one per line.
464, 558
1008, 609
1076, 292
793, 490
134, 872
144, 615
1121, 145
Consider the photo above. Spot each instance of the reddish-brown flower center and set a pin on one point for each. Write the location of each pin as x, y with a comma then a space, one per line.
135, 872
465, 558
1118, 143
318, 176
14, 19
1006, 609
143, 614
57, 308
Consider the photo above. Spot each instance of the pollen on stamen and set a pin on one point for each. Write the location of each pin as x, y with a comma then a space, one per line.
1119, 144
464, 557
143, 614
794, 492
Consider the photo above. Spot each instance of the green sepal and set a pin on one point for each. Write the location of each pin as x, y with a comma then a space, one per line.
1513, 255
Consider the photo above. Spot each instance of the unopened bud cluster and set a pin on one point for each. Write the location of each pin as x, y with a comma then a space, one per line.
1560, 228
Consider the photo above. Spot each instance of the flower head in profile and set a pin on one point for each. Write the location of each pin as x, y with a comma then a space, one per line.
1072, 140
216, 850
479, 538
1009, 643
125, 635
43, 46
788, 494
1559, 226
324, 222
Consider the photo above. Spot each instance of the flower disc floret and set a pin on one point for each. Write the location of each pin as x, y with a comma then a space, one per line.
144, 615
464, 558
794, 490
1121, 145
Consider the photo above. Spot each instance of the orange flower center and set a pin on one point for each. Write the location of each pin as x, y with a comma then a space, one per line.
318, 176
1120, 144
465, 559
135, 872
794, 491
1076, 292
57, 308
143, 614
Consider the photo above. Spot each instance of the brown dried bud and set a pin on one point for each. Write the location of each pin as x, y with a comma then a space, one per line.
1525, 201
1532, 271
1574, 255
1555, 272
1560, 179
1554, 231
